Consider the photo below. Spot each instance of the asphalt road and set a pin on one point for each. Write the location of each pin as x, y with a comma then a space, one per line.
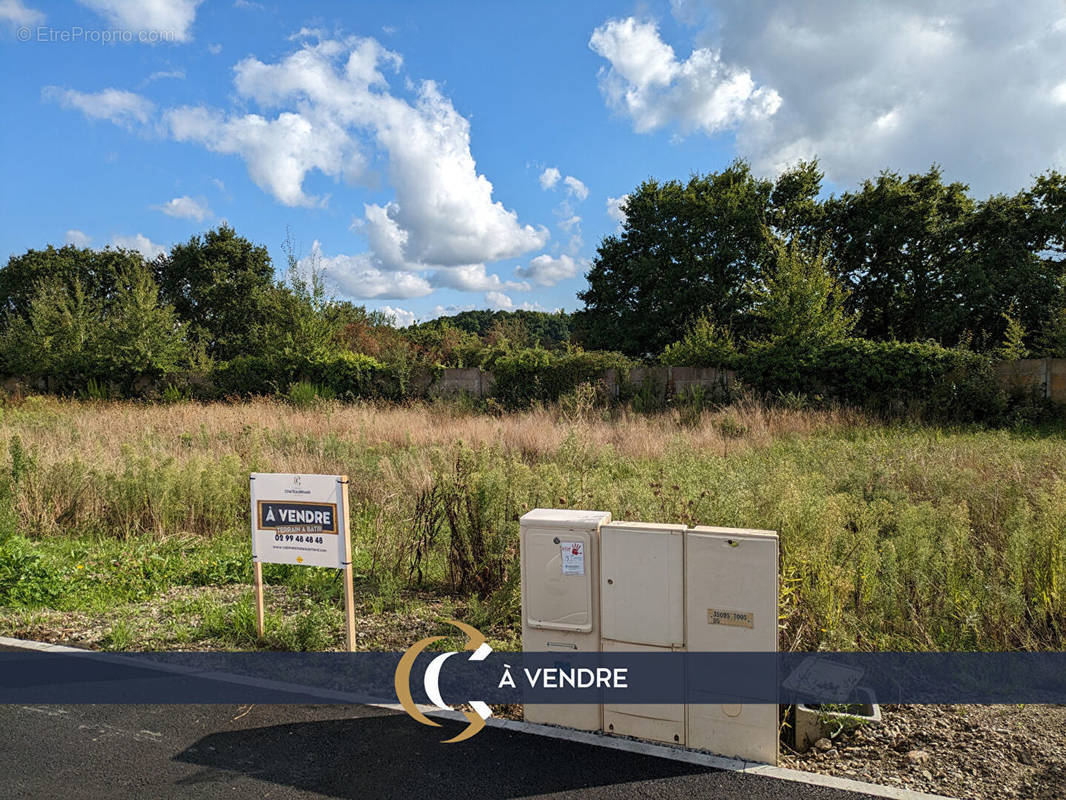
293, 751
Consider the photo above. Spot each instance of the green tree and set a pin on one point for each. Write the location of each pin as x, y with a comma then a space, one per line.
798, 303
685, 249
94, 272
223, 287
894, 243
54, 339
139, 336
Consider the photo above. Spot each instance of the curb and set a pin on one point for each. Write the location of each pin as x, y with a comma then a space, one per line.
563, 734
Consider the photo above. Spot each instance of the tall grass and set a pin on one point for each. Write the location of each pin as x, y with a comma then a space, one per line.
892, 536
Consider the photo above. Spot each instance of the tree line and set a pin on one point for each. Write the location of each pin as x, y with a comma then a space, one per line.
908, 259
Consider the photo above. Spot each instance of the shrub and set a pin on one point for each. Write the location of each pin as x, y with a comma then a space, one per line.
705, 344
533, 374
887, 377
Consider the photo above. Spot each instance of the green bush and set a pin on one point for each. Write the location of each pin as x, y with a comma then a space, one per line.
533, 374
343, 374
705, 344
886, 377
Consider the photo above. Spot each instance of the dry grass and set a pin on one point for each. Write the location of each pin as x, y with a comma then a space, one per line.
105, 432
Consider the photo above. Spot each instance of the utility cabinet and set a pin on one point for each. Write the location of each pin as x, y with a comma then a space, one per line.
559, 551
589, 584
642, 595
731, 606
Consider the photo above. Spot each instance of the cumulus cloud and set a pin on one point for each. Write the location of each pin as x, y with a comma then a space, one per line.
115, 105
472, 278
864, 87
614, 209
545, 270
498, 300
356, 276
576, 188
549, 178
335, 110
328, 107
15, 14
647, 82
278, 152
77, 238
185, 207
401, 317
172, 17
148, 248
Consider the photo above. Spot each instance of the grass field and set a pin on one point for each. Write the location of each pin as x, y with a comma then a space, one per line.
125, 525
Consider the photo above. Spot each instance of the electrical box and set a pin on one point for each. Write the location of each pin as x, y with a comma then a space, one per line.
592, 585
731, 606
560, 597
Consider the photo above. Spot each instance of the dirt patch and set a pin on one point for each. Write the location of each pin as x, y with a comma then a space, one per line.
965, 751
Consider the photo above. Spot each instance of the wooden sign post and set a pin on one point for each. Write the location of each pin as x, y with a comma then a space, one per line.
302, 519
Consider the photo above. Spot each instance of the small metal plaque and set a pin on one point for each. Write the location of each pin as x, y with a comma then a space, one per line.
735, 619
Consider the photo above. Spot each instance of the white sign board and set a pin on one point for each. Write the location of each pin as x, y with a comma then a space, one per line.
300, 519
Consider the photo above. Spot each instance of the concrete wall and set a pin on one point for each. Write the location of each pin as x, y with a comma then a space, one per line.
669, 381
1045, 375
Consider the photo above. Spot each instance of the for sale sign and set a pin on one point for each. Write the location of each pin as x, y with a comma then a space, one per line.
300, 519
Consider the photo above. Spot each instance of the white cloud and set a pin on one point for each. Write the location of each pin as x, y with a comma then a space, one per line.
1058, 94
77, 238
185, 207
549, 178
448, 311
214, 48
647, 82
148, 248
401, 317
544, 270
875, 85
328, 107
614, 209
356, 276
165, 74
498, 300
15, 14
279, 152
576, 188
472, 278
116, 105
335, 106
171, 17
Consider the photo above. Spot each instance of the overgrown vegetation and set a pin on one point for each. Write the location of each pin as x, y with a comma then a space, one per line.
893, 536
897, 297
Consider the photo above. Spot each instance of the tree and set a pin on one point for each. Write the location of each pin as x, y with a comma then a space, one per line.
94, 272
68, 338
894, 244
140, 337
799, 304
222, 286
685, 249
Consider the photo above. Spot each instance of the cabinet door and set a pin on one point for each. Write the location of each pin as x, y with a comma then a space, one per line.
558, 575
642, 583
731, 606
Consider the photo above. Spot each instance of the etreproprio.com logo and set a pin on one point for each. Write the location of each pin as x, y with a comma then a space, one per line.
43, 34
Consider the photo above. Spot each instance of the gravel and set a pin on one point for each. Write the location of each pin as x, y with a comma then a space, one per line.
965, 751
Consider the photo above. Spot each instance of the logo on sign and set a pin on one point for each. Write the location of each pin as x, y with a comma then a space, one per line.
475, 641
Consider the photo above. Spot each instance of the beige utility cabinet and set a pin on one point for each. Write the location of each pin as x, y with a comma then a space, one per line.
560, 597
731, 606
642, 595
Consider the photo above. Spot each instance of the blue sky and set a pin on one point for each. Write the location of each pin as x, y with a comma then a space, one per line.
439, 156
